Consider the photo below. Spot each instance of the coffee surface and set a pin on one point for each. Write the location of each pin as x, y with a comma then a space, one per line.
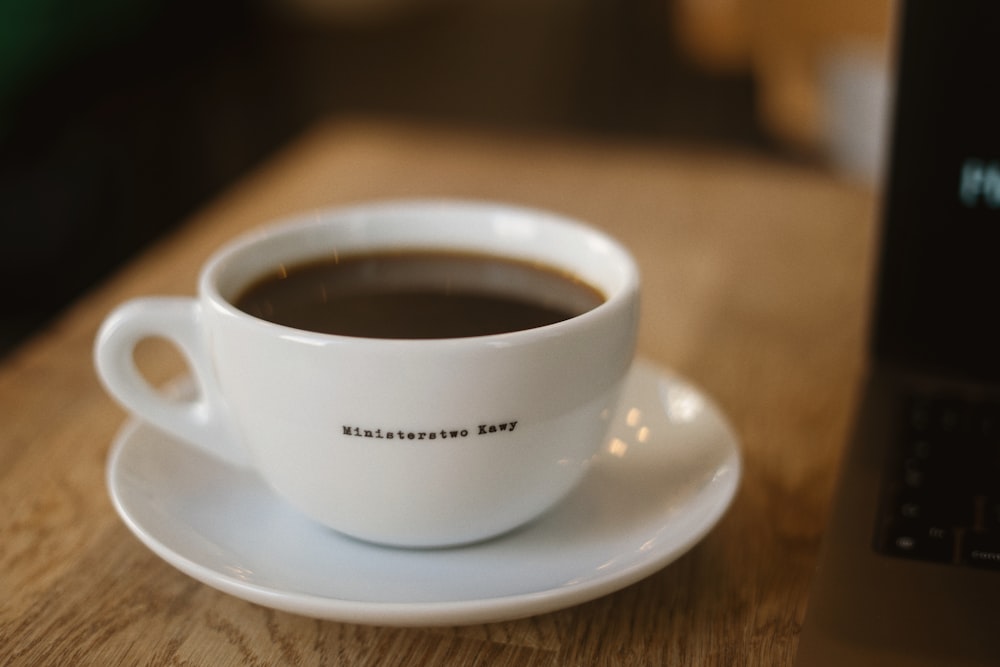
415, 294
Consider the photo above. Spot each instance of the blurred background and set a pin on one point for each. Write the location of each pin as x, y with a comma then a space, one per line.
119, 118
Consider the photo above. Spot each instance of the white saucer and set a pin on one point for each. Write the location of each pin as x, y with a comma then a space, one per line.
668, 472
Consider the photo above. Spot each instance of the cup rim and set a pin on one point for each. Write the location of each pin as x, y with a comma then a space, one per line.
208, 282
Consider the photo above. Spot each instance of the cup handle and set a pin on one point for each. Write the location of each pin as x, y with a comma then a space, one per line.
201, 421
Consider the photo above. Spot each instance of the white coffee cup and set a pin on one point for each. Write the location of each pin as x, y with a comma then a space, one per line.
487, 432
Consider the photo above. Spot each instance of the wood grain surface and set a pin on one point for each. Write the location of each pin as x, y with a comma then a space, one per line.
755, 288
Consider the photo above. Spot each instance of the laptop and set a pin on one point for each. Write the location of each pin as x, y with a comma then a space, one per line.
909, 570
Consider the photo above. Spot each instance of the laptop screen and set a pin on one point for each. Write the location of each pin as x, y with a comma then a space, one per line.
938, 298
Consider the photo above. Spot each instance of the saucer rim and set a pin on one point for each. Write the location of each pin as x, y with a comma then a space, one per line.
445, 612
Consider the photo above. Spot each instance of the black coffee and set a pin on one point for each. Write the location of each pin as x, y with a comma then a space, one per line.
417, 295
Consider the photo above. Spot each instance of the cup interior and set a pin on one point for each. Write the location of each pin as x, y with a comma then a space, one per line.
504, 231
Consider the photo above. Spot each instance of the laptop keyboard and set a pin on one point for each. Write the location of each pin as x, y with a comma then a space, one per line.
942, 492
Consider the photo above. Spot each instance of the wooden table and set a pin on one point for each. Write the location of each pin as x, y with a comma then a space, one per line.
756, 275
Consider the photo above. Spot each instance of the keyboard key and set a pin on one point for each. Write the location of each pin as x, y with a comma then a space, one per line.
991, 514
935, 509
981, 550
917, 539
